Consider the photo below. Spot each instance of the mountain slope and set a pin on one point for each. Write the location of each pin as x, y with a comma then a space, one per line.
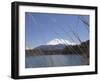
50, 47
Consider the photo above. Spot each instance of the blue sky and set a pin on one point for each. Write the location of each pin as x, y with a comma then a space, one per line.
41, 28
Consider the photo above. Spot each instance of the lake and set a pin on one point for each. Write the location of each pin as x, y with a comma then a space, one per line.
53, 60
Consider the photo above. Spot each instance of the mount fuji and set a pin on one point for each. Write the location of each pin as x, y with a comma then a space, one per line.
56, 44
59, 41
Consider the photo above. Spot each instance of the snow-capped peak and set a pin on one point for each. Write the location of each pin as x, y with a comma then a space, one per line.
27, 48
59, 41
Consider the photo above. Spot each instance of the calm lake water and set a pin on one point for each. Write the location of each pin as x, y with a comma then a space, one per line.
52, 60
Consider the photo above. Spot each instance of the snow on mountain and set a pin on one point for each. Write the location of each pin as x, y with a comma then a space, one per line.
60, 41
53, 44
27, 48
